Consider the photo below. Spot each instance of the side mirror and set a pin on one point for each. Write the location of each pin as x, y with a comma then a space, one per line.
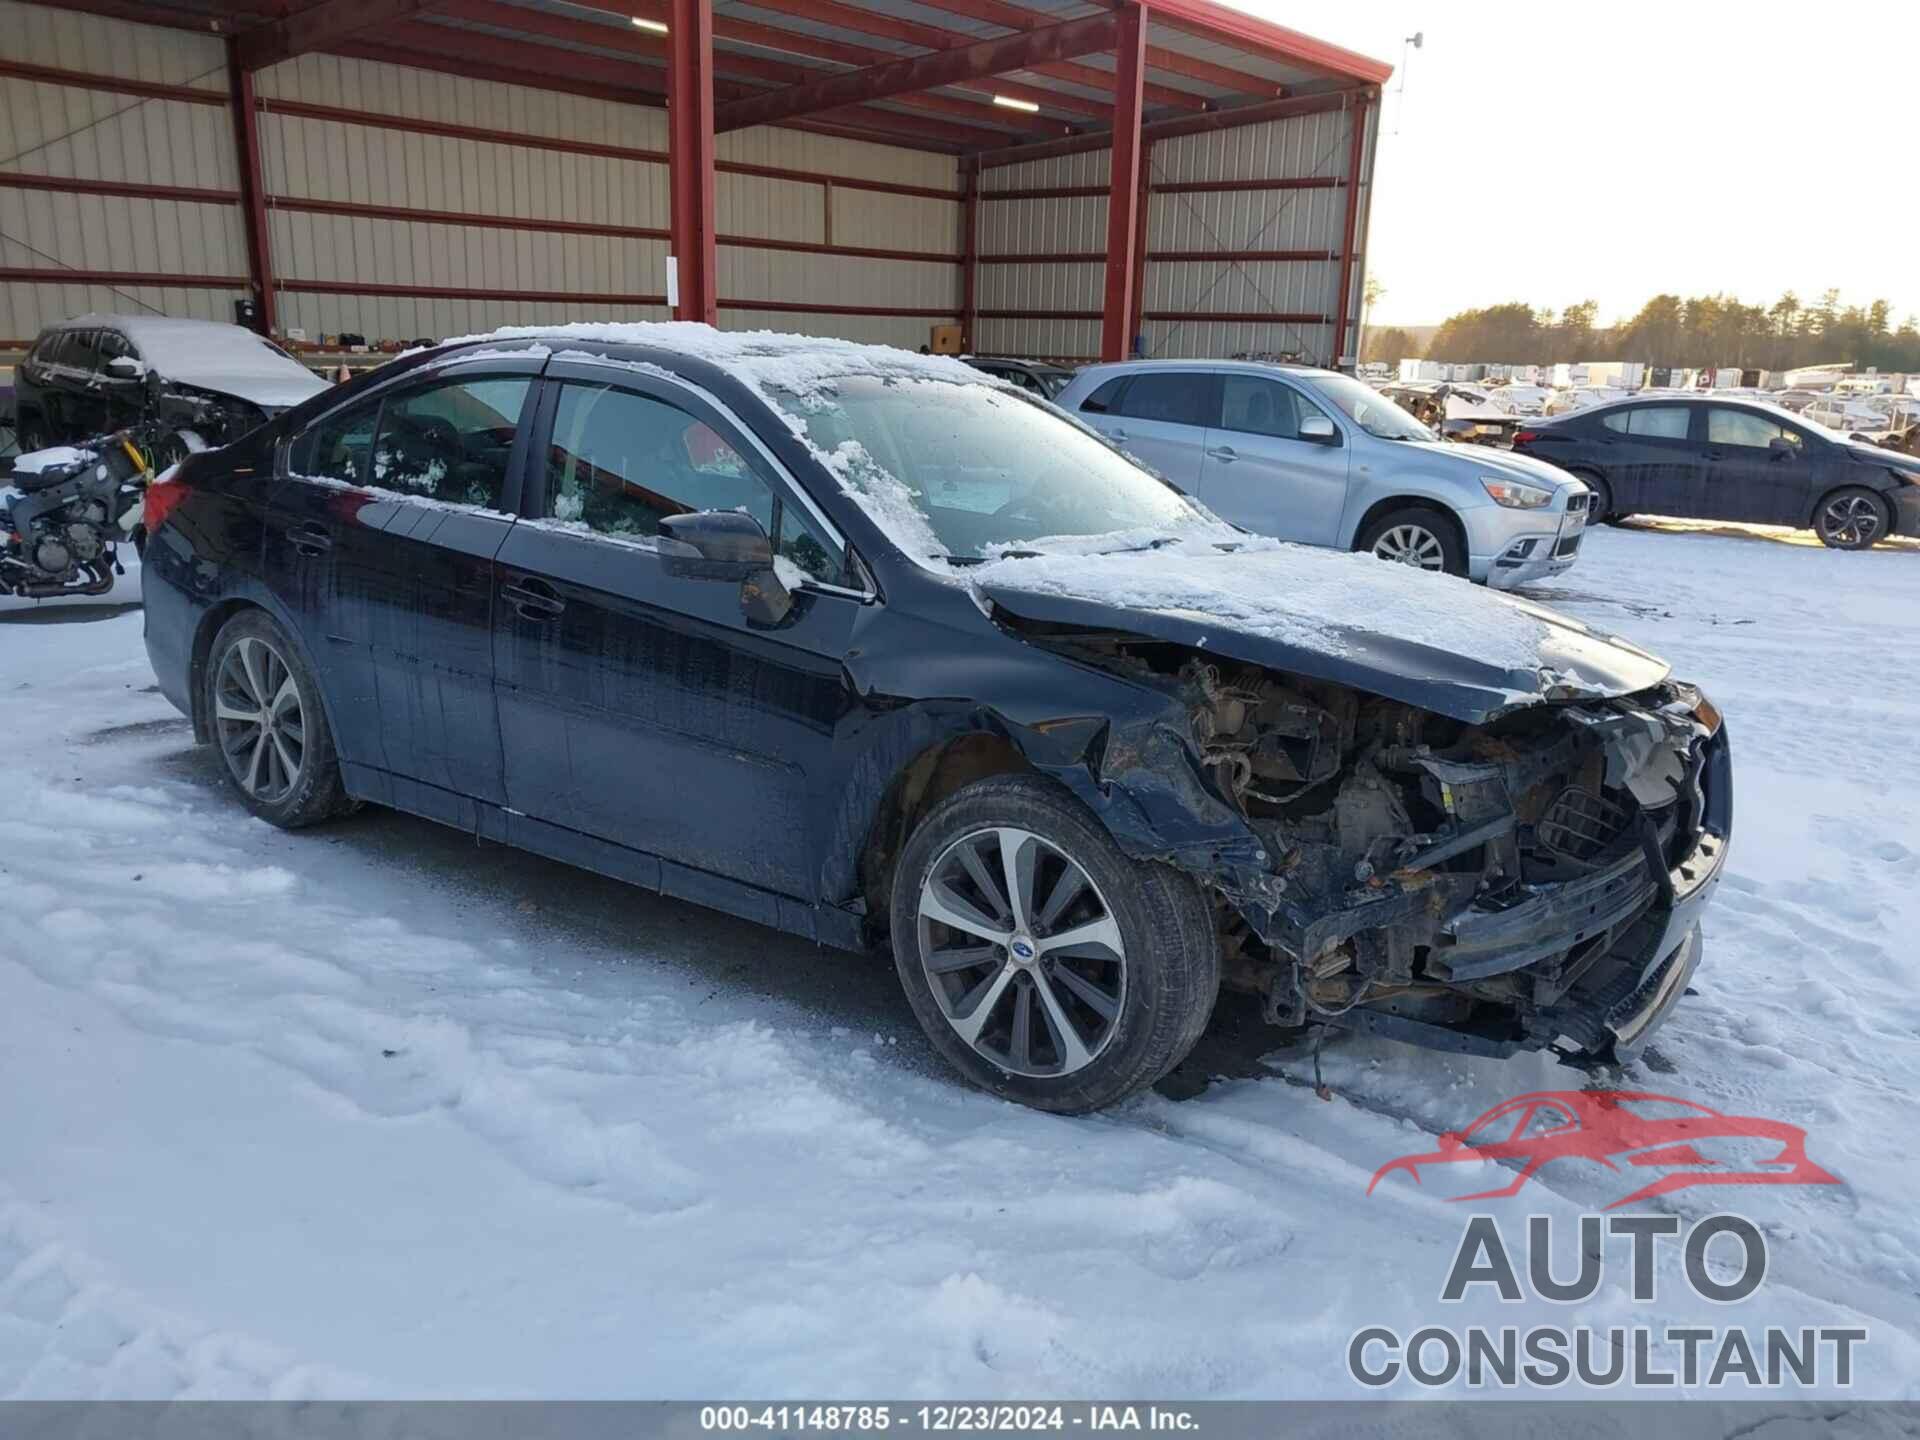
1318, 430
1782, 448
125, 367
1450, 1140
728, 545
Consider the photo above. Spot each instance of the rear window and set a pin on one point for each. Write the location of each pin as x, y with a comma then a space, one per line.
1179, 398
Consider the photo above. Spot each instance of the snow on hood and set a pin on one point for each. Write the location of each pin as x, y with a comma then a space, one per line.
212, 356
1430, 640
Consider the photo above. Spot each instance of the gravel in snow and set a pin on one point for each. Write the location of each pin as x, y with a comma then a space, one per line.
369, 1110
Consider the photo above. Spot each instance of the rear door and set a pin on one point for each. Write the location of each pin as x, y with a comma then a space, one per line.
1652, 460
75, 407
1259, 473
638, 705
1160, 416
1758, 468
381, 541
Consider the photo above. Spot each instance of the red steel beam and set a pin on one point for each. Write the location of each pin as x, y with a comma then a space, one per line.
1123, 184
1246, 32
970, 261
1141, 215
1170, 187
933, 37
68, 185
61, 275
914, 73
319, 27
1282, 109
690, 128
820, 47
253, 209
474, 220
1227, 317
416, 125
1356, 157
1099, 257
1018, 17
653, 49
147, 13
115, 84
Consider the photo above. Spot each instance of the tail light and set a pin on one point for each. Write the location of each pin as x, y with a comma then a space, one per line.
163, 497
1524, 437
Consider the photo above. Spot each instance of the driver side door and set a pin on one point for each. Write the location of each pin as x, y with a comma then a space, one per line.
639, 707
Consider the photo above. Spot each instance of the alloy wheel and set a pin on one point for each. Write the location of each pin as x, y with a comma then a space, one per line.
1850, 520
1411, 545
259, 719
1022, 952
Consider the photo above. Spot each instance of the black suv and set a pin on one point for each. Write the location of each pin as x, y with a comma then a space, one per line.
197, 382
868, 647
1715, 459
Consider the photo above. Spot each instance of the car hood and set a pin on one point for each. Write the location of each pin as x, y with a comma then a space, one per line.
271, 390
1428, 640
1505, 463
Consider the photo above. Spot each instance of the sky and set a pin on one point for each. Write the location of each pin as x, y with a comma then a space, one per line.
1554, 153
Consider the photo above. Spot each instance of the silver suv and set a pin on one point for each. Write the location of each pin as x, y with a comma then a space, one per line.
1316, 456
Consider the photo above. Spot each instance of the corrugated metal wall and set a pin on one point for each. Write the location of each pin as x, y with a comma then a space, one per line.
1187, 221
351, 272
58, 130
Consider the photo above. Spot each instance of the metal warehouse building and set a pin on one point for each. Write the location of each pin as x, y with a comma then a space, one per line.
1061, 178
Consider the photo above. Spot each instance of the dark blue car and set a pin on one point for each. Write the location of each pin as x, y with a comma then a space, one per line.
869, 647
1724, 459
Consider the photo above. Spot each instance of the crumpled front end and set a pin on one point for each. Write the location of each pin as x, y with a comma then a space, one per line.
1531, 882
1534, 883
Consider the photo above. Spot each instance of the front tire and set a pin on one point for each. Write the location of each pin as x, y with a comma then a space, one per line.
263, 707
1419, 536
1851, 519
1046, 965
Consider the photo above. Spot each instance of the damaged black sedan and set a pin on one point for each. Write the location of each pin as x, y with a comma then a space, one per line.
869, 647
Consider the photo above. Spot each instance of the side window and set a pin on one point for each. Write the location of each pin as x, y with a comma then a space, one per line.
1102, 400
1258, 407
76, 350
338, 447
1177, 398
1741, 427
450, 441
1658, 422
621, 462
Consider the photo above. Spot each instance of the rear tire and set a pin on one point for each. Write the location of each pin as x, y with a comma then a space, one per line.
1065, 1026
1417, 535
1600, 509
1852, 518
264, 710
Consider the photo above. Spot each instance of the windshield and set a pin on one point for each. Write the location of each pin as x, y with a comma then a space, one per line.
967, 471
1368, 408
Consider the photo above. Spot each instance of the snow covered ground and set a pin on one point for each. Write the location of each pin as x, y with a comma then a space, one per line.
372, 1111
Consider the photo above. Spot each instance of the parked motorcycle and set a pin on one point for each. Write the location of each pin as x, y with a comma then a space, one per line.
62, 517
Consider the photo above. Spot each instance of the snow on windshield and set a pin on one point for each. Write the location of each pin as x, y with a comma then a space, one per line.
1295, 594
947, 461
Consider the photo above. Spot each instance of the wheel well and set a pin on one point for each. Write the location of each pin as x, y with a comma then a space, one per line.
926, 780
1410, 502
210, 624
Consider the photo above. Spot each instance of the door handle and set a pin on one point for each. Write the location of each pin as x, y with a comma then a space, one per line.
1225, 454
1116, 434
310, 540
534, 603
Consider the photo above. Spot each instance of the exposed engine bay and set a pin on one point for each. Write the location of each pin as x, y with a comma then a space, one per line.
1487, 887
